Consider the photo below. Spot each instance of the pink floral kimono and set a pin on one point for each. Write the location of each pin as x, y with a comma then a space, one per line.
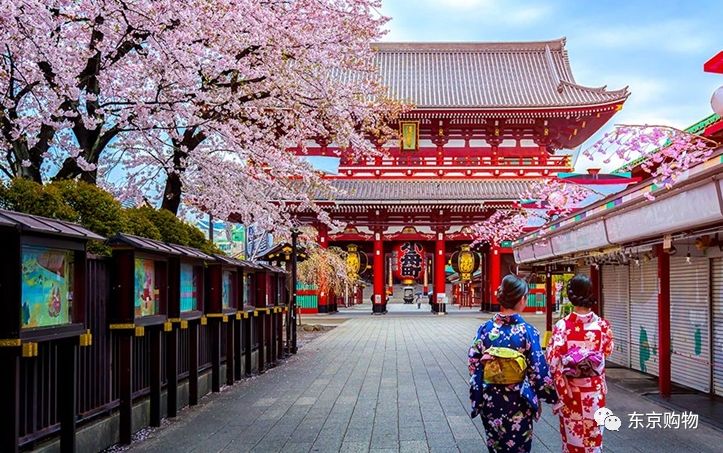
576, 355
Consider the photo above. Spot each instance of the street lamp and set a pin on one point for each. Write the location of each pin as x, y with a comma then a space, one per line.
716, 101
715, 65
292, 312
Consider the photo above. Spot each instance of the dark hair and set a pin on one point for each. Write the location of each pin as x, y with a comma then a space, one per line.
511, 290
579, 291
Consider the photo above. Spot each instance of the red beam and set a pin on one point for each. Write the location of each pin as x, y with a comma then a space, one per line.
664, 365
715, 64
378, 273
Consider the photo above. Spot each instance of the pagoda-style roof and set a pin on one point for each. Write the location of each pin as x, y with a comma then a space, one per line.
511, 75
459, 191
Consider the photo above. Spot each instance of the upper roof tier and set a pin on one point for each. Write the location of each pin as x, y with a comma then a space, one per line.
514, 75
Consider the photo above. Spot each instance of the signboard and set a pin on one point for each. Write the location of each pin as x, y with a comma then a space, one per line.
409, 135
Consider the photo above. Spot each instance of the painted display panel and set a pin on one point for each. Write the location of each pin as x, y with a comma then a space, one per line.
47, 286
227, 289
146, 293
189, 287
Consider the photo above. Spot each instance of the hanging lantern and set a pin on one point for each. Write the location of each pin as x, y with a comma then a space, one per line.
408, 261
465, 262
356, 261
716, 101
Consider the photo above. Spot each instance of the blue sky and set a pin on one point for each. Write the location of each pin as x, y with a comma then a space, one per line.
656, 47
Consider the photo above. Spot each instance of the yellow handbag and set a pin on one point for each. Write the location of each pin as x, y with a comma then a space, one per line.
503, 366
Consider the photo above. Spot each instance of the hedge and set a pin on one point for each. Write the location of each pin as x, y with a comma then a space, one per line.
100, 212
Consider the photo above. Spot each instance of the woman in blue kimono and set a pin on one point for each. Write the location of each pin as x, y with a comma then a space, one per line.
509, 374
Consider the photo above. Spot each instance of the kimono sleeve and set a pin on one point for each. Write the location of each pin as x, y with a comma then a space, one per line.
606, 338
555, 350
474, 355
538, 372
476, 371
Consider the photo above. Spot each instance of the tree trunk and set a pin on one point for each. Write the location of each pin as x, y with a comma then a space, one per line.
172, 192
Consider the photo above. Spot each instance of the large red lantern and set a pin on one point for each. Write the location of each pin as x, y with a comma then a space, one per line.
408, 261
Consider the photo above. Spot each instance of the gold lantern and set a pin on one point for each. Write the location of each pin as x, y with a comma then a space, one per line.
465, 262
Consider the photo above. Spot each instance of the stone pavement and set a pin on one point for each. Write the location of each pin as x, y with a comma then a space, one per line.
394, 383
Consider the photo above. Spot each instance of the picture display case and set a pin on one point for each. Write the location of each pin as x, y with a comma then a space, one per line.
141, 282
186, 283
42, 276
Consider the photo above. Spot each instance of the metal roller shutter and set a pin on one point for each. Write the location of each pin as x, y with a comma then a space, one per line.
689, 322
717, 317
644, 317
616, 305
583, 270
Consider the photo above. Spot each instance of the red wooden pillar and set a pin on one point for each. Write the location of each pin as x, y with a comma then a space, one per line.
440, 261
378, 273
595, 279
323, 240
549, 304
663, 322
495, 276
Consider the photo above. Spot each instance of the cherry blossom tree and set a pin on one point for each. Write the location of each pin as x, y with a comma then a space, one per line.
204, 98
556, 196
502, 225
546, 199
667, 152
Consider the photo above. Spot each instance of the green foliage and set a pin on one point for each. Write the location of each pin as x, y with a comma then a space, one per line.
27, 196
170, 226
197, 239
97, 210
138, 223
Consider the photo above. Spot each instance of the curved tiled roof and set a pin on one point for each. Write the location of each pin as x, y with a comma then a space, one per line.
449, 191
485, 76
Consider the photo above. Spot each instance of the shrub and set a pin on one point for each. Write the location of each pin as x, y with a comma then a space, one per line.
27, 196
171, 227
137, 223
96, 209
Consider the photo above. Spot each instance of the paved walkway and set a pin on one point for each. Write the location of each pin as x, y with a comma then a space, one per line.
394, 383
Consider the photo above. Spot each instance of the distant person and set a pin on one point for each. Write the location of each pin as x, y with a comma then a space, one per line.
509, 374
579, 345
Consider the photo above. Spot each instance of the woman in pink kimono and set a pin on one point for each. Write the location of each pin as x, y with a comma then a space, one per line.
580, 343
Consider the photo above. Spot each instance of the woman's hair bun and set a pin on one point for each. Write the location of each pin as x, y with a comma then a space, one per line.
511, 291
579, 291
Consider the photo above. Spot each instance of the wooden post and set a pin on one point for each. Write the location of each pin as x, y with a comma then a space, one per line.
193, 327
271, 335
172, 372
292, 301
9, 398
155, 338
125, 384
280, 335
379, 293
248, 346
237, 348
664, 365
261, 336
215, 325
230, 354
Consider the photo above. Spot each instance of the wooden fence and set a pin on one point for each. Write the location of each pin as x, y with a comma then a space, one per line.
97, 371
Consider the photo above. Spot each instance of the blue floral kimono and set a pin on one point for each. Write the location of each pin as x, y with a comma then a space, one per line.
507, 411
